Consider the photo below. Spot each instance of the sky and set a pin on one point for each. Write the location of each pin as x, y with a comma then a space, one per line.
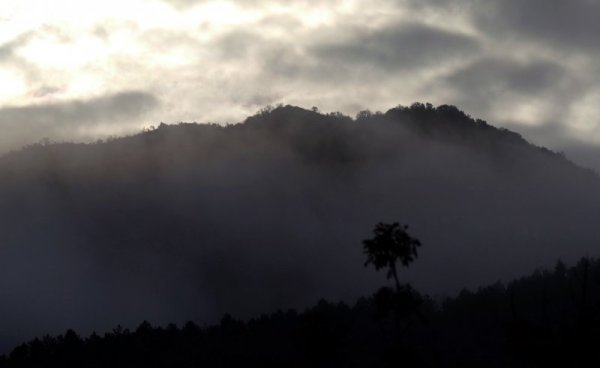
74, 70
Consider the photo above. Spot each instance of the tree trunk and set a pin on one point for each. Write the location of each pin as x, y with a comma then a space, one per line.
395, 274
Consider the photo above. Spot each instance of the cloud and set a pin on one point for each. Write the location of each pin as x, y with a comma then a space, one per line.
568, 24
187, 4
239, 44
222, 60
399, 47
7, 49
46, 90
26, 124
479, 86
184, 4
502, 75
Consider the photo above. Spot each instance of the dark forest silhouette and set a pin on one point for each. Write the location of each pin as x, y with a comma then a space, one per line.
190, 221
548, 319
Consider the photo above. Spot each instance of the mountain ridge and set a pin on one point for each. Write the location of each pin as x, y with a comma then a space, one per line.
445, 122
190, 221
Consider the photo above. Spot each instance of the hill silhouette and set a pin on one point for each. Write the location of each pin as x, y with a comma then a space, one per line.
191, 221
547, 319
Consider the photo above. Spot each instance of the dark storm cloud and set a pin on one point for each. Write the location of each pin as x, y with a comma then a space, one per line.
567, 24
399, 47
27, 124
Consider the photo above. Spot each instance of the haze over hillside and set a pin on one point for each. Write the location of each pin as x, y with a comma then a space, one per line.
191, 221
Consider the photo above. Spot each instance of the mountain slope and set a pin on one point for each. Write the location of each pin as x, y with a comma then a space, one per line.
189, 221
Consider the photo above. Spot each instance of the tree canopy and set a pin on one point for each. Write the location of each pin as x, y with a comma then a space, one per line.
391, 244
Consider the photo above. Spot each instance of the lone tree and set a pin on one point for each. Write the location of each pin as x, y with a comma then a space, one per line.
391, 244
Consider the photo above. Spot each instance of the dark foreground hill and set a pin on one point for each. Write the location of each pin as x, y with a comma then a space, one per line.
192, 221
548, 319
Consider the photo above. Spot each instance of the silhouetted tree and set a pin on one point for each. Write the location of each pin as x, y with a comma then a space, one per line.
391, 244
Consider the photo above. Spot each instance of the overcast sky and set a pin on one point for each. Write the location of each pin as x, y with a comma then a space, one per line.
72, 69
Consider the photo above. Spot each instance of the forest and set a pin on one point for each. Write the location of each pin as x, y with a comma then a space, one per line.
547, 319
242, 228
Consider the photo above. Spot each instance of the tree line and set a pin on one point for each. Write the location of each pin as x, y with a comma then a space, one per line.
549, 318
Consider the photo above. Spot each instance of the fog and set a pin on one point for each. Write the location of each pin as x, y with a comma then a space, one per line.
192, 221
